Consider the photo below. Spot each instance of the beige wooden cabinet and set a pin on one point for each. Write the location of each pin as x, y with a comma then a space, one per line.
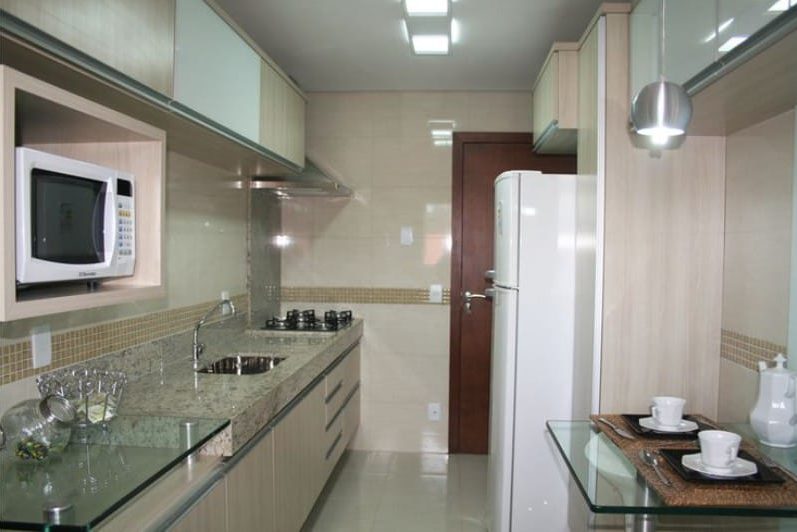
555, 101
660, 239
310, 440
298, 448
282, 115
136, 38
208, 514
38, 115
250, 489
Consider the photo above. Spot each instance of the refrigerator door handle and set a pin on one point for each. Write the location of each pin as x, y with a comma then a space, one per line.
468, 296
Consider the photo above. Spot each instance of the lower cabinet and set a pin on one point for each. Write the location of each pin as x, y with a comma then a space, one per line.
274, 482
208, 514
298, 459
250, 489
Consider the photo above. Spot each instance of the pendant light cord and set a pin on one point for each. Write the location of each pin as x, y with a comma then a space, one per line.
662, 39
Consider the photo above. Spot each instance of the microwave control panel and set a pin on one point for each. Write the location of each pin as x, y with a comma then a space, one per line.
125, 233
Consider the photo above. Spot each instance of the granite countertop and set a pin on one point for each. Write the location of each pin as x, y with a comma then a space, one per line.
248, 401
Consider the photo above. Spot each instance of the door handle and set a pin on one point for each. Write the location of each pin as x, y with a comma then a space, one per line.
468, 296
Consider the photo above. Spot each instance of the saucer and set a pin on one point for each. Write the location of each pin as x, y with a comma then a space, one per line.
684, 426
739, 468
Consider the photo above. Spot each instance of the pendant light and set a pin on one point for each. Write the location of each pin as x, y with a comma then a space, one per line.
661, 110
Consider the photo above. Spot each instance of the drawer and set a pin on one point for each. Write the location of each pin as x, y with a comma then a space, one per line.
336, 390
351, 418
334, 444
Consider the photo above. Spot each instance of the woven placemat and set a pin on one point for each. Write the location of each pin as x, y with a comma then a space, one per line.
685, 493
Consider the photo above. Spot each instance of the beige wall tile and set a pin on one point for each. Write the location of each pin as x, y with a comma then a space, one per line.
759, 170
342, 262
737, 392
380, 144
400, 427
756, 284
426, 261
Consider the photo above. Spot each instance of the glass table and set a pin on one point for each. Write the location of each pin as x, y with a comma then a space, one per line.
610, 483
98, 473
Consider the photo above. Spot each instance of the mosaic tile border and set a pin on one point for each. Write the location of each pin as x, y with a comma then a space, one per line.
80, 345
365, 295
746, 350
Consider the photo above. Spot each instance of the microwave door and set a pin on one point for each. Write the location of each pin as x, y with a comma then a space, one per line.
67, 214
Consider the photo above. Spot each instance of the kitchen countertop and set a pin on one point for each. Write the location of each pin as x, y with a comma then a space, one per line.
145, 440
248, 401
94, 478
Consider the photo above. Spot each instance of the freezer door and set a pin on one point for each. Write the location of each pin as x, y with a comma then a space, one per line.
502, 408
505, 252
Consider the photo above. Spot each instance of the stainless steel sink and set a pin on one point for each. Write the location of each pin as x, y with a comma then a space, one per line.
241, 364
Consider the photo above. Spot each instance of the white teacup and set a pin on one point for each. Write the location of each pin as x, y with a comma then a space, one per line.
718, 448
667, 411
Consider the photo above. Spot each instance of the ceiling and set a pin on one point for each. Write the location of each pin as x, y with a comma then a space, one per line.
349, 45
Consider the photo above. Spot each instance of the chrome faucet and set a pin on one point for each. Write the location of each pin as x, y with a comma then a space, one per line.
198, 348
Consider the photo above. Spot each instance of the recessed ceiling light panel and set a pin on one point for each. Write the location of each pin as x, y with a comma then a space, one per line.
426, 8
430, 44
780, 5
732, 43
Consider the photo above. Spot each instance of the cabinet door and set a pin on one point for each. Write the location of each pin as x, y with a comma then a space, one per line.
105, 30
250, 489
555, 102
208, 514
588, 103
299, 460
282, 116
215, 72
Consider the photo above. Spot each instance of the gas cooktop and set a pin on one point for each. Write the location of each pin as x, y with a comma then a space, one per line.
306, 321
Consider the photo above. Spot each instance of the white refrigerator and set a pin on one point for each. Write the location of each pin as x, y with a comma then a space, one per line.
532, 349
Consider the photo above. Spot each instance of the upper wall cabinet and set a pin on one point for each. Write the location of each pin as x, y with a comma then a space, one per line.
282, 119
555, 101
215, 72
136, 38
696, 34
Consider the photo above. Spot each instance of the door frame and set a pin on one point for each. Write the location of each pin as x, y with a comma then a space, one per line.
460, 139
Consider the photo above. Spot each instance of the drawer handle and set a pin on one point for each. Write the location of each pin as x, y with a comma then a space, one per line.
334, 392
334, 444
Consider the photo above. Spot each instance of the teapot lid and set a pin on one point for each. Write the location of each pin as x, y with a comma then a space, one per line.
780, 365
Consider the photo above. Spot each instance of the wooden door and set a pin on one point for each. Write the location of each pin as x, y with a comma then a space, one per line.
478, 159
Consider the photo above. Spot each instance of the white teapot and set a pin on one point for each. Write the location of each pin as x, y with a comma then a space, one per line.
773, 416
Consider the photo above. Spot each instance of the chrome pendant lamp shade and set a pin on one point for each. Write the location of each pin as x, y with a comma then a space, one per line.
660, 110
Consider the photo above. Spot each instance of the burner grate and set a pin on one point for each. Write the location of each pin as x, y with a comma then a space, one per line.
306, 320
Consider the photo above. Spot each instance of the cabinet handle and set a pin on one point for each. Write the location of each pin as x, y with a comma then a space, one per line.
334, 444
334, 392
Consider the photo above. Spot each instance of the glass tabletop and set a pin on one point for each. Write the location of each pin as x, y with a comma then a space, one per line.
610, 484
98, 472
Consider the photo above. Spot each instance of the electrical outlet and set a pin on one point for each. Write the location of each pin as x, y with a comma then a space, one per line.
436, 293
433, 411
225, 308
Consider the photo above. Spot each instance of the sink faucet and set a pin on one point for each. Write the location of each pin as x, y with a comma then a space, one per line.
198, 348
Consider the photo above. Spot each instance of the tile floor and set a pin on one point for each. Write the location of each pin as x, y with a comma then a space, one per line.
407, 492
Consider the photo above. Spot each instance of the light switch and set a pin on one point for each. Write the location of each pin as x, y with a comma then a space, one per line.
41, 345
435, 293
406, 235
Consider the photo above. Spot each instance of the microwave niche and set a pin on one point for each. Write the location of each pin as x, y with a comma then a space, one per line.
75, 221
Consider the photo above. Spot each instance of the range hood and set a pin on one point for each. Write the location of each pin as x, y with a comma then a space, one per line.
314, 180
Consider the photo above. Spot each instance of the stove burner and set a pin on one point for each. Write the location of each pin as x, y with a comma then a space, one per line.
306, 320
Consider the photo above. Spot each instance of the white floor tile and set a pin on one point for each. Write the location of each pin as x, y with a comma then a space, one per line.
407, 492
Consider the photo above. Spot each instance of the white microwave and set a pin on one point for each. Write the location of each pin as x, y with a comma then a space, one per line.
75, 221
